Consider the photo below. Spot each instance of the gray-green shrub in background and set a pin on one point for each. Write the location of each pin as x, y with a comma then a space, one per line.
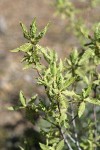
74, 16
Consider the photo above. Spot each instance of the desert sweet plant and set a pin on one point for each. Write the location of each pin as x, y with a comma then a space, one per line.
69, 86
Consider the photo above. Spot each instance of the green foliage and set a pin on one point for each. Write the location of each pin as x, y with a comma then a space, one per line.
81, 109
69, 86
88, 143
60, 145
25, 48
22, 99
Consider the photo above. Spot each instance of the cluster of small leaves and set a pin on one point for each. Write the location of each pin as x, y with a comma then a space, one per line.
30, 49
85, 75
62, 82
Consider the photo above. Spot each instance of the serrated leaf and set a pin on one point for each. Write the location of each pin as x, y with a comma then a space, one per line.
25, 32
81, 109
53, 56
22, 99
33, 28
42, 33
60, 145
25, 48
93, 101
23, 27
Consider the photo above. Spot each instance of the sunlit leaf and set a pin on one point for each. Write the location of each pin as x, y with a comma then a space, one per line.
85, 57
81, 109
68, 82
87, 91
97, 32
43, 146
93, 101
25, 48
70, 93
60, 145
25, 32
21, 148
33, 28
22, 99
42, 33
10, 108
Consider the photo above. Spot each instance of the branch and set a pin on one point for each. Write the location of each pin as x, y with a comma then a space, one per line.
94, 113
39, 74
74, 125
61, 131
65, 139
74, 117
72, 139
63, 135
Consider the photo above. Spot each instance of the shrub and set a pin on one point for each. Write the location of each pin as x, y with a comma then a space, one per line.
69, 85
72, 90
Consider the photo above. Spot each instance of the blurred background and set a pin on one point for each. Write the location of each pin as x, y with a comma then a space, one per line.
13, 78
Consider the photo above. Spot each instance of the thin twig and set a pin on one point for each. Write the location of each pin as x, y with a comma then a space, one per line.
94, 113
74, 125
61, 131
74, 117
63, 135
38, 73
65, 139
72, 139
95, 120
